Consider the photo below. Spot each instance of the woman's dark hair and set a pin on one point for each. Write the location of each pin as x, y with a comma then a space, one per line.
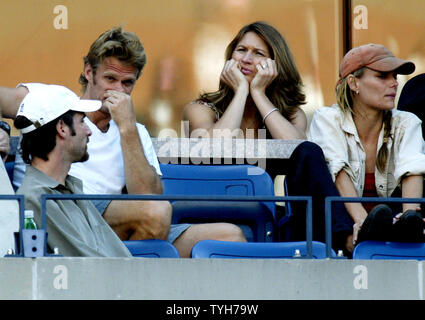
40, 142
285, 92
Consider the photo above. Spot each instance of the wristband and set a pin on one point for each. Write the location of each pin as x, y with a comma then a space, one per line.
5, 126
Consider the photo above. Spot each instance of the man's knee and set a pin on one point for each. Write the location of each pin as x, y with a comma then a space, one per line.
152, 220
226, 232
209, 231
138, 220
158, 214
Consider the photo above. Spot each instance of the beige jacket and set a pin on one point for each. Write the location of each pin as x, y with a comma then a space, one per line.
336, 133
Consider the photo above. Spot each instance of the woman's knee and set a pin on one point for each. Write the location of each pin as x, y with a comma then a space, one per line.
308, 149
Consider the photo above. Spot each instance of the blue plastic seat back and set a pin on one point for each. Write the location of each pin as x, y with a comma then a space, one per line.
257, 219
154, 248
10, 166
255, 250
10, 163
254, 218
234, 180
380, 250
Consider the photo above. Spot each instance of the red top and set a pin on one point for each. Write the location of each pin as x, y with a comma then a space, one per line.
369, 190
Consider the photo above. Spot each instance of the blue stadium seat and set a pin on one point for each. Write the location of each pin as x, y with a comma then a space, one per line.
154, 248
10, 165
217, 180
378, 250
255, 250
257, 220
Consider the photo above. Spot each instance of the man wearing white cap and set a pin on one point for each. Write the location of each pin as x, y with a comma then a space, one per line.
55, 135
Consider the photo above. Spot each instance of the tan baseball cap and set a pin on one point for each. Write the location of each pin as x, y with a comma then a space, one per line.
375, 57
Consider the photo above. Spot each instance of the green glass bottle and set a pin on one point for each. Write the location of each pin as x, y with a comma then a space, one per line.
29, 222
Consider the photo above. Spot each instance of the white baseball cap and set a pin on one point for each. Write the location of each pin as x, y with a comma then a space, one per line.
50, 102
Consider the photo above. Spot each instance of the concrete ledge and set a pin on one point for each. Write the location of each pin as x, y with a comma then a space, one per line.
222, 151
209, 279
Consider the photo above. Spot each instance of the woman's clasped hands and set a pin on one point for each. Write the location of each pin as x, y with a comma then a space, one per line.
234, 72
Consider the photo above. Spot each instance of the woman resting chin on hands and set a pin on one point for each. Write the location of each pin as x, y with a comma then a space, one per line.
260, 88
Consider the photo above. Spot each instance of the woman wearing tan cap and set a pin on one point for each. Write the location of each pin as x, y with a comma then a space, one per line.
371, 148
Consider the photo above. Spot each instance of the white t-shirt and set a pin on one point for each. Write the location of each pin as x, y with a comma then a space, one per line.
103, 173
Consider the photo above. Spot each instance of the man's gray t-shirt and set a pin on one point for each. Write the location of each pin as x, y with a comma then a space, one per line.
74, 226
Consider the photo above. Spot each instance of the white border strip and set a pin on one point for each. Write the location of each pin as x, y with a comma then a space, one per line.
420, 280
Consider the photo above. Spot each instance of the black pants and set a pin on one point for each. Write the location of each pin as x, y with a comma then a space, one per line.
308, 175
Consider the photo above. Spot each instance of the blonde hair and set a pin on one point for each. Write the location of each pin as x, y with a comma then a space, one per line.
123, 45
344, 99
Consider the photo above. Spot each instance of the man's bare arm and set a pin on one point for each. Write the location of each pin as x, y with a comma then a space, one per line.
141, 177
10, 99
